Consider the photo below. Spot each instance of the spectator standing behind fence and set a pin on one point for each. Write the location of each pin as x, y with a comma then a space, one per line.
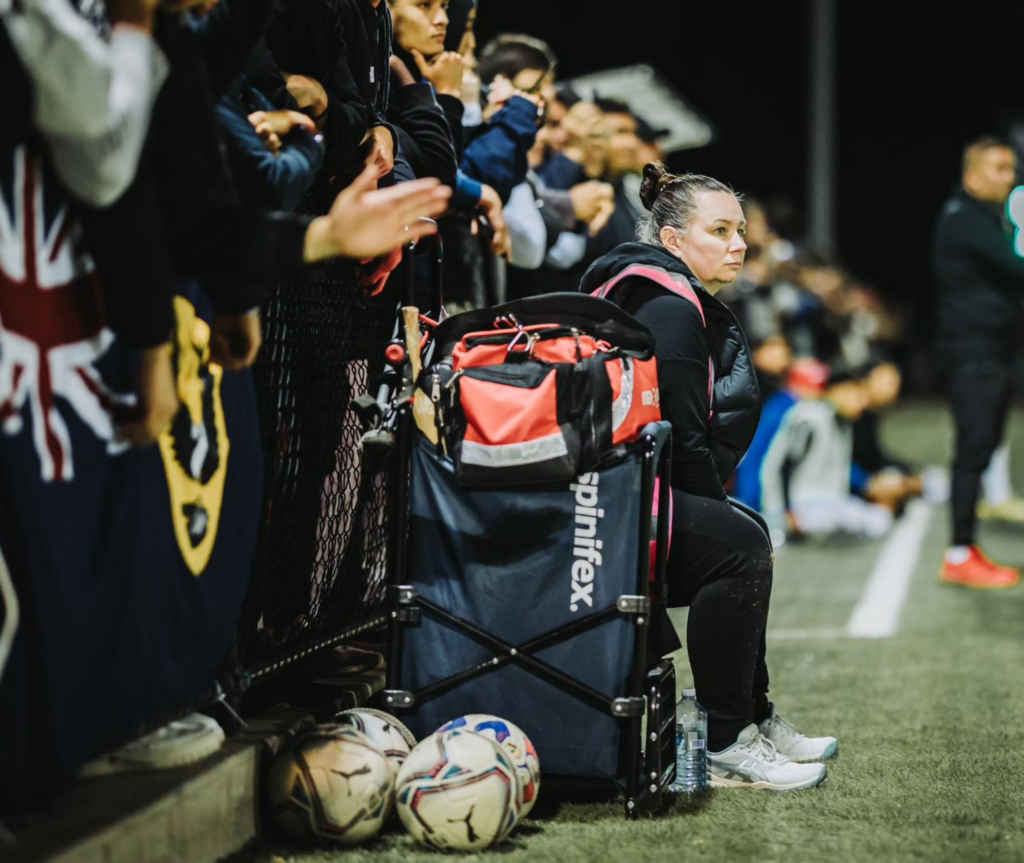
183, 512
624, 154
331, 55
542, 220
274, 154
980, 282
427, 80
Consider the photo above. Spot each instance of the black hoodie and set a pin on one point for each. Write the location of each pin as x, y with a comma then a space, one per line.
704, 451
981, 283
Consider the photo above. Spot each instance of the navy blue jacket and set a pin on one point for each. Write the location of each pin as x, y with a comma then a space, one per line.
265, 180
497, 155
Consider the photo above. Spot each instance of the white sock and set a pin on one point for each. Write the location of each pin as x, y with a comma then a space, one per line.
958, 554
996, 480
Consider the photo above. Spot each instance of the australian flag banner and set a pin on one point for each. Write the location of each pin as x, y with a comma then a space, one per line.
130, 564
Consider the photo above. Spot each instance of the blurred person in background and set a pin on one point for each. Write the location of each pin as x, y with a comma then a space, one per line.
548, 156
980, 282
549, 226
773, 361
754, 296
624, 154
808, 466
885, 479
586, 140
790, 382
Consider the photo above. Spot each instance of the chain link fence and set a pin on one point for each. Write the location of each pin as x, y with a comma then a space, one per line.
320, 569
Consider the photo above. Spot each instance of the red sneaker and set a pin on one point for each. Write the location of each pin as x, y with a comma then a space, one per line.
980, 572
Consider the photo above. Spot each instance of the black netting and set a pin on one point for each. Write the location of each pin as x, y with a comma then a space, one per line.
321, 560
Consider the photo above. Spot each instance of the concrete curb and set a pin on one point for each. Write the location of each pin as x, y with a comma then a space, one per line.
199, 813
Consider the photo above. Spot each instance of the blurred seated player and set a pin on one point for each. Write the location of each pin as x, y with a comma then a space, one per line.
880, 477
806, 472
802, 379
999, 502
773, 362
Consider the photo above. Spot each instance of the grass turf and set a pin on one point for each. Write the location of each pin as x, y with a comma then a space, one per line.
931, 762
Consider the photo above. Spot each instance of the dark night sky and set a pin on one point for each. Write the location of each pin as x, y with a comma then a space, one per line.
913, 87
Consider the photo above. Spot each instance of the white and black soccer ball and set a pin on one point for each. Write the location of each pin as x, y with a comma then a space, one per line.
458, 790
388, 734
516, 743
330, 785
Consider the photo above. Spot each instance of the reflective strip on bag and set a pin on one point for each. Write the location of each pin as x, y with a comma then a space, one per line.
506, 455
624, 403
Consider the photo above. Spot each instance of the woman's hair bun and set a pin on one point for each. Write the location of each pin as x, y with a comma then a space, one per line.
656, 177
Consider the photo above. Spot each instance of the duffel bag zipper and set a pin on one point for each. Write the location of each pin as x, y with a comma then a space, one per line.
435, 398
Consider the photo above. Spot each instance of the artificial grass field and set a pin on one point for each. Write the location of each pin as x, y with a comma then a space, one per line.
930, 723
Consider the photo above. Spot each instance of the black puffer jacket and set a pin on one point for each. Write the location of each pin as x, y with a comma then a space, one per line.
705, 451
981, 283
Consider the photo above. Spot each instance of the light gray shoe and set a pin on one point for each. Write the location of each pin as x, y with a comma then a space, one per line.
754, 762
793, 744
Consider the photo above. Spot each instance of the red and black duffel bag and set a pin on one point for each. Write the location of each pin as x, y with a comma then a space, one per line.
541, 389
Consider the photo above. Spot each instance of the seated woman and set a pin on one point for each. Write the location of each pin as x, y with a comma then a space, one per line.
720, 561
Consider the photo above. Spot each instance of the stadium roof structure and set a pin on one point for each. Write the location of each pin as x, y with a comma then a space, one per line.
652, 99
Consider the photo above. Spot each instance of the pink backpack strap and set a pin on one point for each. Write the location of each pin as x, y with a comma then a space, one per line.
657, 275
676, 286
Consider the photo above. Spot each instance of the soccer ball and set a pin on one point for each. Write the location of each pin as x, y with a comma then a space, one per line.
458, 790
331, 784
516, 743
385, 732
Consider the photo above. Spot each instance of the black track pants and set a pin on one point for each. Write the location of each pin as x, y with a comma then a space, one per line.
720, 564
980, 394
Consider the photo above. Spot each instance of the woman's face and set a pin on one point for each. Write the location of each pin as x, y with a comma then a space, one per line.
421, 25
713, 245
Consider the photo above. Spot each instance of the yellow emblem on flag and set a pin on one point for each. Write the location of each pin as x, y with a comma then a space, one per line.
195, 446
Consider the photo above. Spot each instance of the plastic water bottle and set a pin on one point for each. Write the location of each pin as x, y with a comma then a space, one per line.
691, 745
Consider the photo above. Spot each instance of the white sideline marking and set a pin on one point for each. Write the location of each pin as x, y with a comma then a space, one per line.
878, 613
804, 634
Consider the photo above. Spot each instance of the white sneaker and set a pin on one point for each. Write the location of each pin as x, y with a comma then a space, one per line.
795, 745
754, 762
179, 743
